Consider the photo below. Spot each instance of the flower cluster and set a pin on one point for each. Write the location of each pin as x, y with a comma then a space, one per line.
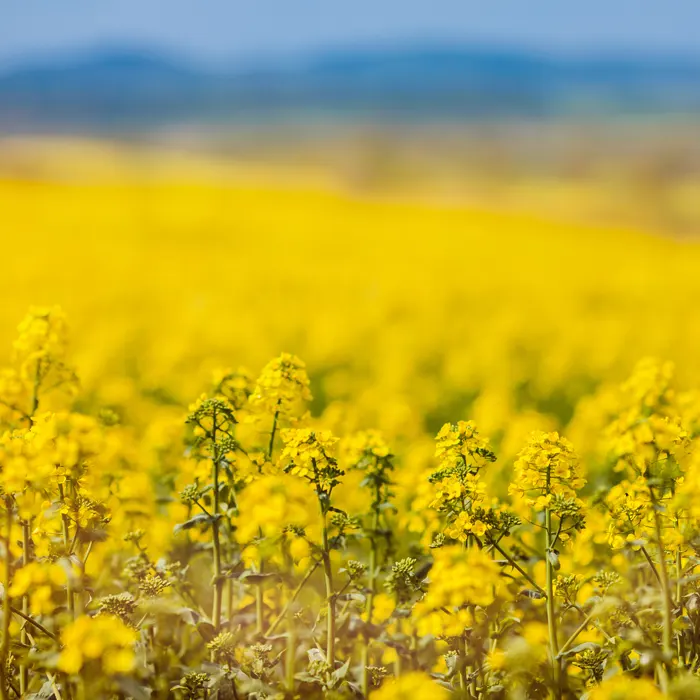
42, 583
459, 582
546, 468
395, 574
103, 640
282, 387
310, 454
460, 444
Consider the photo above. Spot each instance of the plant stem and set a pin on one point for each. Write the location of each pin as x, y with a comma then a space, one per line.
517, 567
463, 663
651, 565
259, 601
26, 534
6, 602
294, 596
23, 669
595, 624
572, 638
290, 650
679, 599
65, 525
218, 580
230, 602
34, 623
330, 597
667, 637
370, 596
551, 609
271, 446
259, 610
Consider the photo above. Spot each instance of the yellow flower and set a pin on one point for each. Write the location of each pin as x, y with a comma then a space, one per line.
547, 466
460, 444
103, 640
463, 525
282, 387
366, 443
310, 454
382, 608
623, 687
414, 685
458, 578
271, 504
40, 580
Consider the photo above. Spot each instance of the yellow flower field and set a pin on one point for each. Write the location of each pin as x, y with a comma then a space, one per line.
271, 438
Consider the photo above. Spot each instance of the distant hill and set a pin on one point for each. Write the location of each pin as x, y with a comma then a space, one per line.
128, 89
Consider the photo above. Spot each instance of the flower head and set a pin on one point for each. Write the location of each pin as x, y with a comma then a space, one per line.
282, 387
41, 581
547, 467
310, 454
104, 641
458, 579
414, 685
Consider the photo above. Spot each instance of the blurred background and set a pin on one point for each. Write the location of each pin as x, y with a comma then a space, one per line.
449, 209
456, 98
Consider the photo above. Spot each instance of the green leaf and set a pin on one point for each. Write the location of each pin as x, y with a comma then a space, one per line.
206, 630
579, 648
190, 616
340, 673
132, 688
199, 519
682, 623
44, 693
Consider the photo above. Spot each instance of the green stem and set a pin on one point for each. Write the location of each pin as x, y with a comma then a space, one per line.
651, 565
291, 600
34, 623
26, 535
6, 602
218, 580
330, 597
398, 665
230, 607
65, 525
290, 650
551, 608
667, 636
35, 392
679, 599
596, 624
23, 669
463, 663
259, 607
518, 568
370, 596
573, 637
271, 446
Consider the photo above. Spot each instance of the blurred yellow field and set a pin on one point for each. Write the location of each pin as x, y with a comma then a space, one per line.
257, 556
402, 298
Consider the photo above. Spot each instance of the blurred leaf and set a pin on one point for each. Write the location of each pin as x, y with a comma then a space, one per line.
132, 688
199, 519
340, 673
206, 630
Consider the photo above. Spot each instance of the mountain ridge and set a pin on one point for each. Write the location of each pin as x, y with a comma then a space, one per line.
140, 86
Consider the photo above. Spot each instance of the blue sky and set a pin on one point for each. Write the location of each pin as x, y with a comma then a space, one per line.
234, 30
